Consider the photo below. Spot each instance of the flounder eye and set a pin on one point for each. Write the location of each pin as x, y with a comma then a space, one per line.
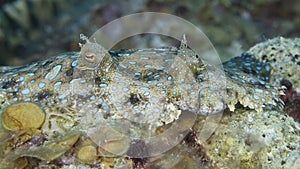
90, 57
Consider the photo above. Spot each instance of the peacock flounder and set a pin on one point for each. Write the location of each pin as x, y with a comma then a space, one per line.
149, 87
149, 84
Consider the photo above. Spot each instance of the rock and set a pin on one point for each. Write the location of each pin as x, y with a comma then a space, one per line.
22, 115
87, 154
251, 139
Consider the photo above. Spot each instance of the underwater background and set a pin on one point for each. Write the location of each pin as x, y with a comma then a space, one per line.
32, 30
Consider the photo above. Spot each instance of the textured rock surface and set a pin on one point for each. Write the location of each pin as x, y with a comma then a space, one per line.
250, 139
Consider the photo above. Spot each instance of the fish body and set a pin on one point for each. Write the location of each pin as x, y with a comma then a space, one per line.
151, 86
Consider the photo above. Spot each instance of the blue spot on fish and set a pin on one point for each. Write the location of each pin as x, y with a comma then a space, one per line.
53, 73
25, 91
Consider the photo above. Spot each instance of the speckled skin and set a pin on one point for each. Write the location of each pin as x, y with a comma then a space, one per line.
149, 86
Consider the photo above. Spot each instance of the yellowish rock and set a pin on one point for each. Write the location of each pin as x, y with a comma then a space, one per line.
114, 148
49, 151
22, 115
87, 154
110, 140
21, 163
56, 147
